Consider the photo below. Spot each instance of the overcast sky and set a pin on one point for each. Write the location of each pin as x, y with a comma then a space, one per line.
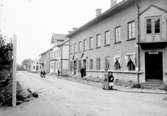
34, 21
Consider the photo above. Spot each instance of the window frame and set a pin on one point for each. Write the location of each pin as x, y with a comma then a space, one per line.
117, 40
98, 63
107, 38
90, 43
84, 44
107, 61
91, 64
80, 46
133, 30
98, 40
153, 24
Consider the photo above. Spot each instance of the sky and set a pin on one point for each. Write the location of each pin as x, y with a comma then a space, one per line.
34, 21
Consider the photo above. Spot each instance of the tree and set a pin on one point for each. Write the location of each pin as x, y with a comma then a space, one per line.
27, 63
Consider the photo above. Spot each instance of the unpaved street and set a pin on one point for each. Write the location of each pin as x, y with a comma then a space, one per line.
60, 97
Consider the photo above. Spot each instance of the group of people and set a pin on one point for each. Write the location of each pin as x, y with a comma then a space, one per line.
42, 74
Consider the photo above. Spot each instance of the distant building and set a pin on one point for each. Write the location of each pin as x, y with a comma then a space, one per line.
36, 67
55, 53
129, 39
64, 57
45, 60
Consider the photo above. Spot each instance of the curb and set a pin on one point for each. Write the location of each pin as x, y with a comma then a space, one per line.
117, 88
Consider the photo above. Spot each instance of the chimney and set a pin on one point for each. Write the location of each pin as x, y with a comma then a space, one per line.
98, 12
113, 3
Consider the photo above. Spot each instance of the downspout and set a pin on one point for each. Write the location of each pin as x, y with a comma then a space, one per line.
61, 49
138, 40
69, 56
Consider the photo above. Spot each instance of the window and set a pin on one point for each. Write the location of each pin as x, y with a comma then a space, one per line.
75, 48
153, 25
91, 43
98, 64
98, 40
131, 61
80, 46
107, 38
84, 45
131, 30
107, 62
71, 66
70, 49
149, 26
117, 64
79, 65
117, 34
91, 64
157, 24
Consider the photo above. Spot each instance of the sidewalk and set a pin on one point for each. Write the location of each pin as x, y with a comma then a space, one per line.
116, 87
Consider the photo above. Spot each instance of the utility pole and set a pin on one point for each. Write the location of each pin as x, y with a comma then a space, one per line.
14, 84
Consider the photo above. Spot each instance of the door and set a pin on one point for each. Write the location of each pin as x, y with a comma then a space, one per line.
153, 65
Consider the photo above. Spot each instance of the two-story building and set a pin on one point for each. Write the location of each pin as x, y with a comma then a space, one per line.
55, 53
129, 39
64, 57
45, 60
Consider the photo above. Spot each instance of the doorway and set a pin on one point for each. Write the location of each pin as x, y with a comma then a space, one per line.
153, 65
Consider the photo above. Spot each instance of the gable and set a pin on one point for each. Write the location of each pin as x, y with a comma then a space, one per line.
153, 9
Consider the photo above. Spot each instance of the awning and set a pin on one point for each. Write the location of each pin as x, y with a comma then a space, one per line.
152, 45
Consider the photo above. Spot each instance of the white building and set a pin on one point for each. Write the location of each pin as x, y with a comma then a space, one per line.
36, 67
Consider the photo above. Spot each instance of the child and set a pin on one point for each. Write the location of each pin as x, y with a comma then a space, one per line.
110, 80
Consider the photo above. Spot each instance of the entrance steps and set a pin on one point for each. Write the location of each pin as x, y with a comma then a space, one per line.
153, 84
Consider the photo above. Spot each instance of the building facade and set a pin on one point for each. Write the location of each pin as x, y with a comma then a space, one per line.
45, 60
55, 53
36, 67
129, 39
64, 57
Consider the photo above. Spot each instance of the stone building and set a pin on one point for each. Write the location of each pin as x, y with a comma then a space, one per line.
129, 39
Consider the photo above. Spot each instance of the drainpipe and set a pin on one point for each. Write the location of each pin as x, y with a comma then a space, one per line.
61, 51
138, 40
69, 65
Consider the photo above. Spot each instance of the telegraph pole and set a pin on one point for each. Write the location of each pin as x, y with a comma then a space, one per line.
14, 83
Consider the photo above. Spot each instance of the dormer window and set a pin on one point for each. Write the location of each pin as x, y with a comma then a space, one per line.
153, 25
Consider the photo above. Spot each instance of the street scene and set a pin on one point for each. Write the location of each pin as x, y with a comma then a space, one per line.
83, 58
62, 97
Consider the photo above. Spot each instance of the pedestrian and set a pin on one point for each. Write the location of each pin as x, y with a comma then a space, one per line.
44, 73
110, 80
58, 73
82, 72
41, 74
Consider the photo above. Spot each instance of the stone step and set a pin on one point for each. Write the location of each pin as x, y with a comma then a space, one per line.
152, 85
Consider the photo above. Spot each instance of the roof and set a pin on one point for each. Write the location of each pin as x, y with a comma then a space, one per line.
59, 37
45, 52
102, 16
64, 42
